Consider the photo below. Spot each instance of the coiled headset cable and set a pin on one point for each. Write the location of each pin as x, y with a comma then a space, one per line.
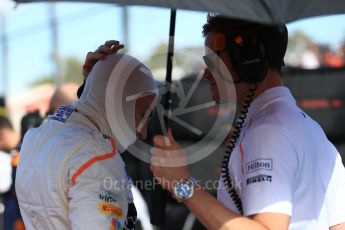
235, 134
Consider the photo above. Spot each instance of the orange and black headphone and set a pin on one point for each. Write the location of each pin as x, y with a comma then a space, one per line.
250, 48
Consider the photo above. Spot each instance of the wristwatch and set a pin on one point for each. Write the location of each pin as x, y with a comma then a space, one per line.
184, 189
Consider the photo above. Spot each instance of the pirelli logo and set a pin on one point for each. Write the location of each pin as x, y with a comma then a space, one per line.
259, 178
259, 164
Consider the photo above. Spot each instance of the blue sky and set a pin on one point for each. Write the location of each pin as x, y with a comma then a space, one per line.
83, 27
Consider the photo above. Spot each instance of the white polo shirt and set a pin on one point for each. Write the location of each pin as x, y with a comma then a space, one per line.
5, 172
284, 163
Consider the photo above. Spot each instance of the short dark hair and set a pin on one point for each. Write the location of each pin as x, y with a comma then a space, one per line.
275, 37
5, 123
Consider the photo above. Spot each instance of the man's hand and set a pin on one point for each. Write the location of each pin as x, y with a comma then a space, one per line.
169, 161
109, 47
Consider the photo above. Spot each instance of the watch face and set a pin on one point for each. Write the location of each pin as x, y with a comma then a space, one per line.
184, 190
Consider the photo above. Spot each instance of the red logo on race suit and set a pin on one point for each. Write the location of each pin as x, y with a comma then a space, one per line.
110, 209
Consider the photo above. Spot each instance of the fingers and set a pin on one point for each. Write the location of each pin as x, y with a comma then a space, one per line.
159, 156
158, 152
111, 43
170, 135
90, 61
92, 57
157, 161
162, 141
109, 47
166, 142
168, 161
168, 158
117, 47
104, 50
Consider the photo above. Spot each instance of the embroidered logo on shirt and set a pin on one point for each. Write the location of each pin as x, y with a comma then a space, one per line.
62, 114
110, 209
259, 164
259, 178
107, 197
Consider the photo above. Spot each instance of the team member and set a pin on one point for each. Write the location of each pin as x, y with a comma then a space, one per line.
70, 174
9, 142
283, 173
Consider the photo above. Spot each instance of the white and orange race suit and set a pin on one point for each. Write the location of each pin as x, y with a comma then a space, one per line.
72, 178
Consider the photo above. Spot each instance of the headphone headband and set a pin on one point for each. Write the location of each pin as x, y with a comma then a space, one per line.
253, 48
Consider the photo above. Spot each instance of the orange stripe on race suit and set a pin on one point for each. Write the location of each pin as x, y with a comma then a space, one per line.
92, 161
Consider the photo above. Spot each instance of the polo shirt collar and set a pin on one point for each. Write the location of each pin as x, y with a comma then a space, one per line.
280, 93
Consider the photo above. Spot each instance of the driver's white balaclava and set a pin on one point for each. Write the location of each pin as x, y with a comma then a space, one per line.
110, 93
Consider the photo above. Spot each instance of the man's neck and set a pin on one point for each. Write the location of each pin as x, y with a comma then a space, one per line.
272, 79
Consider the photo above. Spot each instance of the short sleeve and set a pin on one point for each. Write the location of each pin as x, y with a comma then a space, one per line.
269, 166
97, 195
336, 197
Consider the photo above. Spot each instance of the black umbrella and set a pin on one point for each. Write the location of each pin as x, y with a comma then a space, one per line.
264, 11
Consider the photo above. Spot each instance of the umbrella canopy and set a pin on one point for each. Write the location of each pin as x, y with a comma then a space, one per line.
263, 11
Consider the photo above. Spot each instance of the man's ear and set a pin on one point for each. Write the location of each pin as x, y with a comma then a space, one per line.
219, 42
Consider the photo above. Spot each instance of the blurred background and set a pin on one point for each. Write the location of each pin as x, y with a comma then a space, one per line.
43, 45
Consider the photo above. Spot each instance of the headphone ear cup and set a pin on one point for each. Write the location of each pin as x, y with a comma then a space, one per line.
249, 57
219, 42
252, 63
